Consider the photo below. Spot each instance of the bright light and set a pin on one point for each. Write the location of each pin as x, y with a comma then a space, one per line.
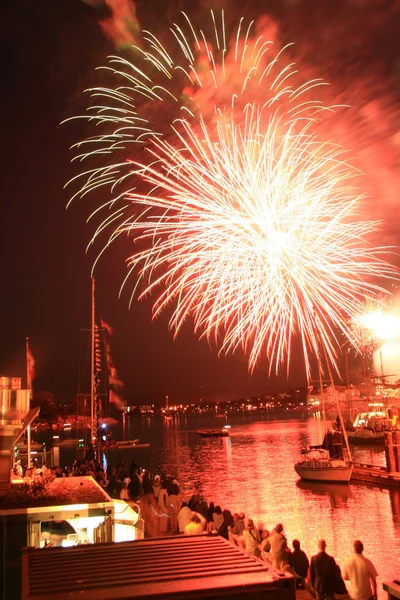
384, 325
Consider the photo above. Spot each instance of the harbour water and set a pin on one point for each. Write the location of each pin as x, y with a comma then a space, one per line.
252, 471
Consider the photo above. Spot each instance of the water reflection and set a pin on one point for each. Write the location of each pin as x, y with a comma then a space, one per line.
337, 492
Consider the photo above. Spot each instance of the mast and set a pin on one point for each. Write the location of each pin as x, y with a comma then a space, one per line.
333, 385
92, 364
321, 388
337, 405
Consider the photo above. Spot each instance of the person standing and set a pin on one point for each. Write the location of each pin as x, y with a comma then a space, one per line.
163, 507
299, 562
361, 573
323, 573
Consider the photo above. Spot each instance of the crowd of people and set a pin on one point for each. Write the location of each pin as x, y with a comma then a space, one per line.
164, 513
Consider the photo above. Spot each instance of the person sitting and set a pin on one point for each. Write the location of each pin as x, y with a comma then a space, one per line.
217, 520
236, 530
124, 493
194, 527
184, 517
265, 547
251, 538
223, 531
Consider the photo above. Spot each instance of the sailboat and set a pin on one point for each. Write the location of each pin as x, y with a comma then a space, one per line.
327, 462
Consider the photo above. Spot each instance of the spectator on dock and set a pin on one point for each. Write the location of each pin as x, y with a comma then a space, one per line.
216, 521
223, 531
236, 530
163, 506
265, 547
278, 542
323, 573
299, 563
174, 505
124, 493
210, 512
201, 507
195, 526
251, 538
156, 486
361, 573
184, 517
147, 484
135, 485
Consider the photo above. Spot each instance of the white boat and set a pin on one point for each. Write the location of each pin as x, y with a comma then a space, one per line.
317, 465
124, 445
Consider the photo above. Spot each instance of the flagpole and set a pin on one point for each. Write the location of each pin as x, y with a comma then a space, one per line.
92, 386
27, 362
29, 386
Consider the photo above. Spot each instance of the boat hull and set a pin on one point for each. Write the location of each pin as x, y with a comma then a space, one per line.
332, 474
127, 445
361, 440
206, 434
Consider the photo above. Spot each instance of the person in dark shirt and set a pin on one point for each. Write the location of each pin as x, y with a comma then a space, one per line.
323, 573
299, 563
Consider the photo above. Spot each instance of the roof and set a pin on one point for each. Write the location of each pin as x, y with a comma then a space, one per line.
172, 567
61, 491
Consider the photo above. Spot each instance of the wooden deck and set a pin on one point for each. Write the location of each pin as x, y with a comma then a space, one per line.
175, 568
375, 475
303, 595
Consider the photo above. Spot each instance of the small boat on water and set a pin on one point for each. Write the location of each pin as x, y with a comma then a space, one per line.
124, 445
365, 436
369, 427
206, 433
68, 442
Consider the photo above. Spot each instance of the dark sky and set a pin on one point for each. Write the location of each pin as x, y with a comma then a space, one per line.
50, 50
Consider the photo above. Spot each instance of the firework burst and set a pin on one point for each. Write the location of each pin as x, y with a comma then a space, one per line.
250, 218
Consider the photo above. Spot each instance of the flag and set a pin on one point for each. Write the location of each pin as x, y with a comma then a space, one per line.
30, 366
107, 327
112, 371
116, 399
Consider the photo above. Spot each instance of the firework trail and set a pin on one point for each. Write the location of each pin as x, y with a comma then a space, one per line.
243, 215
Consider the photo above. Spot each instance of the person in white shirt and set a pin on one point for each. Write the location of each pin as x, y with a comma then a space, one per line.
195, 526
361, 573
184, 516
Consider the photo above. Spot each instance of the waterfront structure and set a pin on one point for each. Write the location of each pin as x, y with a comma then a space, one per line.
176, 567
31, 513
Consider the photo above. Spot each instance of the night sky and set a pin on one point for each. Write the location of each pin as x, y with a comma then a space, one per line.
50, 52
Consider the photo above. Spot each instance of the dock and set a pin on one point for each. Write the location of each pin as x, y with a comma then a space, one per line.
303, 595
375, 475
